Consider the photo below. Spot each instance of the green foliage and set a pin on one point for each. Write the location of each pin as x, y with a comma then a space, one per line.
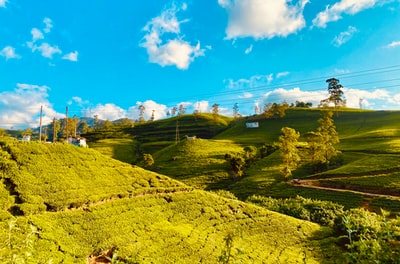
370, 237
94, 203
18, 241
288, 150
321, 212
266, 150
237, 163
275, 110
148, 160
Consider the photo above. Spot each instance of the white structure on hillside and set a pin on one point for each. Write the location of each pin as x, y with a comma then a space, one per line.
26, 138
252, 125
80, 142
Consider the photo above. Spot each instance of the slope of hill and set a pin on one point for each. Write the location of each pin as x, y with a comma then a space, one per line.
200, 162
60, 203
369, 141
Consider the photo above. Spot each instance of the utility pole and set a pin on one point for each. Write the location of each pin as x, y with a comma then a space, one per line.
75, 121
40, 123
66, 122
54, 130
177, 132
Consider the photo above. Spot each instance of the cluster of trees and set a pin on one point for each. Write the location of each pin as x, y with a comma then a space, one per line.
321, 145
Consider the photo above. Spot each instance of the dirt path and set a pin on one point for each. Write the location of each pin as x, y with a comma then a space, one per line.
312, 184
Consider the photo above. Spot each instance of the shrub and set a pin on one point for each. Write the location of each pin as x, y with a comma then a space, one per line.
321, 212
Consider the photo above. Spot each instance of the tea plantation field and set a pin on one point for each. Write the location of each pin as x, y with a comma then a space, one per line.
64, 204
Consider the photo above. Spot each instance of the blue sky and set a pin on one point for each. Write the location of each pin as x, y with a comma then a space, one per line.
106, 58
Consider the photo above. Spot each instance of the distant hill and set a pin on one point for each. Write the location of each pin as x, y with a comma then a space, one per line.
60, 203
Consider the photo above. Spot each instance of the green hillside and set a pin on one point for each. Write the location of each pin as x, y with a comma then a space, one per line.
64, 204
369, 142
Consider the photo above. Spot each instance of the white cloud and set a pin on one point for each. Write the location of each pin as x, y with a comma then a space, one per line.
173, 51
47, 50
107, 112
263, 19
353, 97
78, 100
202, 106
370, 99
160, 110
393, 44
36, 34
344, 36
3, 3
9, 53
350, 7
72, 56
342, 71
249, 49
282, 74
246, 95
253, 82
20, 108
48, 24
293, 95
44, 48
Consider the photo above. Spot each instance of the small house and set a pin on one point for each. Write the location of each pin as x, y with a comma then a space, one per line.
26, 138
252, 125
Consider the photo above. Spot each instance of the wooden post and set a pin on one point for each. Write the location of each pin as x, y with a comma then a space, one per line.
54, 130
40, 123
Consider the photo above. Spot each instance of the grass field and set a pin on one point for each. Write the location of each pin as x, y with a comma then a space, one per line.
63, 204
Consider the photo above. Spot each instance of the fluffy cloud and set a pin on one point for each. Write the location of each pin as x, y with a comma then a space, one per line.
249, 49
160, 110
293, 95
48, 24
253, 82
369, 99
47, 50
282, 74
167, 52
353, 97
3, 3
246, 95
344, 36
9, 53
263, 19
106, 112
72, 56
350, 7
20, 108
393, 44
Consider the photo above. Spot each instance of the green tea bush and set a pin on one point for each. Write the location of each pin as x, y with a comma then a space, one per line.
369, 237
321, 212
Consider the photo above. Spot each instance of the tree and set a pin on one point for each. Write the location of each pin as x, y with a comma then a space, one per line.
215, 110
275, 110
152, 116
108, 124
236, 110
148, 160
2, 132
237, 163
173, 111
83, 126
303, 104
335, 94
322, 143
330, 136
181, 110
141, 113
288, 150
